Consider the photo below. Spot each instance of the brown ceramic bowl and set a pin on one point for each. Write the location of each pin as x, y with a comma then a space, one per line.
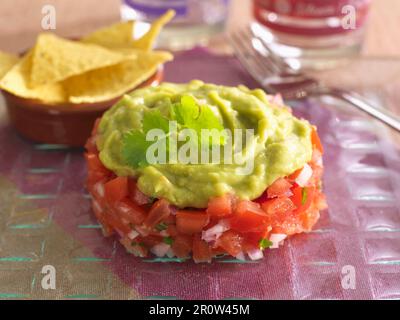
67, 124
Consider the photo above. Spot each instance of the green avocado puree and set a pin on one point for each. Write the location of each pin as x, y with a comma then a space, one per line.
282, 143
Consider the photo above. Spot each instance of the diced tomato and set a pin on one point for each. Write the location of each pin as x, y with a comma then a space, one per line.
279, 188
96, 170
159, 210
96, 126
116, 223
316, 141
134, 247
231, 242
152, 240
252, 239
277, 205
130, 211
90, 144
135, 194
116, 189
248, 217
191, 221
98, 212
172, 231
262, 198
302, 198
295, 174
221, 206
182, 245
201, 250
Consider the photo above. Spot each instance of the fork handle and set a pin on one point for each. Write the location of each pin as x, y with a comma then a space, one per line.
359, 102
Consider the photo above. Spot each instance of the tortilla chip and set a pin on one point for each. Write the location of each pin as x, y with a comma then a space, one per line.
147, 41
111, 82
55, 59
17, 78
120, 35
7, 61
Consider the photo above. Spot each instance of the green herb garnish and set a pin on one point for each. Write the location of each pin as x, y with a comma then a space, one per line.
161, 226
187, 113
264, 243
168, 240
304, 196
135, 243
193, 116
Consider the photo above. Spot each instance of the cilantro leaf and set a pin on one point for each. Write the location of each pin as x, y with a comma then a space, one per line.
154, 119
264, 243
193, 116
168, 240
134, 148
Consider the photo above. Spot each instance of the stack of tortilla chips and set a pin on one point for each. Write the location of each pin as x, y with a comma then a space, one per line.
101, 66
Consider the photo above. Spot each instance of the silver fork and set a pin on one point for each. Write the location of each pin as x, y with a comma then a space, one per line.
277, 76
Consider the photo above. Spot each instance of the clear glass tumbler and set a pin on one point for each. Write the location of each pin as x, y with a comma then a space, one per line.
195, 21
319, 33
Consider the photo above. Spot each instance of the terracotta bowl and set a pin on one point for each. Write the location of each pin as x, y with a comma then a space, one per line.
67, 124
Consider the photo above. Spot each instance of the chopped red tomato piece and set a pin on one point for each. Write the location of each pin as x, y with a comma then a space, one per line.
135, 194
159, 211
316, 141
116, 189
115, 221
231, 242
171, 230
248, 217
136, 247
152, 240
221, 206
295, 174
302, 198
182, 245
201, 250
279, 188
191, 221
96, 126
283, 204
96, 170
130, 211
252, 239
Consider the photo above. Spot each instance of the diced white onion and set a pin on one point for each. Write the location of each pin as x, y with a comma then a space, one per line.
164, 233
170, 253
133, 234
123, 208
276, 239
255, 254
97, 206
240, 256
143, 231
99, 189
304, 176
160, 249
215, 232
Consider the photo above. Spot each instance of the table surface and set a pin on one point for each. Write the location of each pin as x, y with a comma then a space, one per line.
75, 17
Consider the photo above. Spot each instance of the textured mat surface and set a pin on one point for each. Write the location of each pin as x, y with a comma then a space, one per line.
45, 219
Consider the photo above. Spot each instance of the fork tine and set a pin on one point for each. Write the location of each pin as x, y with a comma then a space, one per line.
275, 60
262, 55
252, 61
248, 42
244, 57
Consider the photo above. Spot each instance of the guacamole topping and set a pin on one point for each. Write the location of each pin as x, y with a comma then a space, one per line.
281, 143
